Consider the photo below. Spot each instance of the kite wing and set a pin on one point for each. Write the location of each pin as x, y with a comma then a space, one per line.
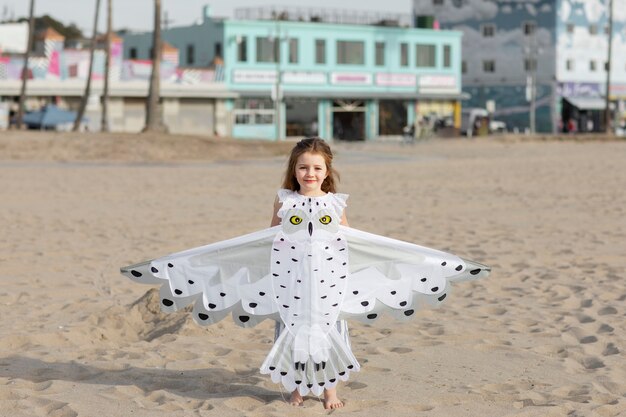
398, 277
231, 276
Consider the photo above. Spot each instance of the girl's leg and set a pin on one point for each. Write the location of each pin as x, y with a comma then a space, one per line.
296, 399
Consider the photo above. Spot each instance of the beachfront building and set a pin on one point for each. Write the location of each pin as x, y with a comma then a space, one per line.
342, 75
543, 54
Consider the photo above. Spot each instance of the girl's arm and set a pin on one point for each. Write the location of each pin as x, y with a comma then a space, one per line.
275, 218
344, 219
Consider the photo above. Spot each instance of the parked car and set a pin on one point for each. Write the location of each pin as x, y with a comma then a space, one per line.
497, 126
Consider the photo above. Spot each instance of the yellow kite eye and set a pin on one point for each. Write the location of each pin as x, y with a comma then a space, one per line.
295, 220
325, 219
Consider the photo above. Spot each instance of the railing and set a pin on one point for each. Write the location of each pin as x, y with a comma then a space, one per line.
324, 15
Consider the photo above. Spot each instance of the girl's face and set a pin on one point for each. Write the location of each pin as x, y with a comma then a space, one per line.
311, 171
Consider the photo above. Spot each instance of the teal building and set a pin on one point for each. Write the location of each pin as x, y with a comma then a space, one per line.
293, 74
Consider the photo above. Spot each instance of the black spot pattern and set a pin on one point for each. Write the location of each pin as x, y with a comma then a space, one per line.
409, 312
190, 282
442, 297
458, 268
475, 271
203, 316
244, 319
170, 265
178, 292
136, 273
167, 302
154, 270
252, 305
434, 289
372, 316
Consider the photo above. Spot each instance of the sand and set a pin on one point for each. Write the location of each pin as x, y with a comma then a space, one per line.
544, 335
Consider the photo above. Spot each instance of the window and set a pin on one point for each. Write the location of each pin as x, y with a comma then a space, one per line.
293, 51
133, 53
447, 56
190, 54
267, 50
569, 65
404, 54
464, 67
489, 30
530, 65
592, 65
425, 55
593, 29
254, 111
489, 66
320, 51
570, 28
351, 52
380, 53
529, 28
218, 49
242, 49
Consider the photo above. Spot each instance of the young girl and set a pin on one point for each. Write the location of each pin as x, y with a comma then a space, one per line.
309, 272
310, 174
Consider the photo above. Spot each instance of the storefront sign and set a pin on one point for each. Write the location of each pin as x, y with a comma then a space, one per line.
303, 77
579, 90
437, 82
396, 80
350, 78
254, 76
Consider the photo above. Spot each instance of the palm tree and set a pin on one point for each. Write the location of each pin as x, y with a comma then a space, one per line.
92, 49
104, 125
29, 47
154, 117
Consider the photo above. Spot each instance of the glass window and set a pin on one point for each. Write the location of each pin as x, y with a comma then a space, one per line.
242, 49
293, 51
266, 50
351, 52
133, 53
218, 49
489, 66
593, 29
569, 65
464, 67
447, 56
404, 54
380, 53
191, 54
320, 51
529, 28
425, 55
530, 64
489, 30
592, 65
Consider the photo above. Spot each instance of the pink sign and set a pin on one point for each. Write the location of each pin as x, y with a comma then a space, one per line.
350, 78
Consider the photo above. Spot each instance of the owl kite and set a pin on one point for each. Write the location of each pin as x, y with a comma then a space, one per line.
307, 273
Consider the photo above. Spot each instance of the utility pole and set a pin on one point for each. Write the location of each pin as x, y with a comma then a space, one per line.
531, 78
29, 47
607, 101
278, 94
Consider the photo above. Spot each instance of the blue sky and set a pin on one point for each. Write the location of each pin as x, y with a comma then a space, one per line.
137, 14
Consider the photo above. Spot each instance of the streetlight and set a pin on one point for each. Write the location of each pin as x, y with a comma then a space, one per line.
607, 101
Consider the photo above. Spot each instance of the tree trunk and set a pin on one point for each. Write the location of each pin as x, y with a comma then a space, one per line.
104, 125
92, 49
29, 46
154, 116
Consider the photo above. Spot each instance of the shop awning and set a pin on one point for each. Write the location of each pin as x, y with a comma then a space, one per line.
587, 103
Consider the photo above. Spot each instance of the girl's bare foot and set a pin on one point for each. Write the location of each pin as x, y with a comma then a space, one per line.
296, 399
331, 401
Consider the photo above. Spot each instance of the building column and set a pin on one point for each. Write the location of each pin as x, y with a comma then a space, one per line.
324, 120
371, 120
410, 113
223, 116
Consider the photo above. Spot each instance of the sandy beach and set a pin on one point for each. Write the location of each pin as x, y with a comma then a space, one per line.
544, 335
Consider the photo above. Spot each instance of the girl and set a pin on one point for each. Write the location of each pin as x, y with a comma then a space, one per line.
310, 174
310, 271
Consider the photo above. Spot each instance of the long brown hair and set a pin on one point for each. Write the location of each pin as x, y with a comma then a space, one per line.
313, 145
